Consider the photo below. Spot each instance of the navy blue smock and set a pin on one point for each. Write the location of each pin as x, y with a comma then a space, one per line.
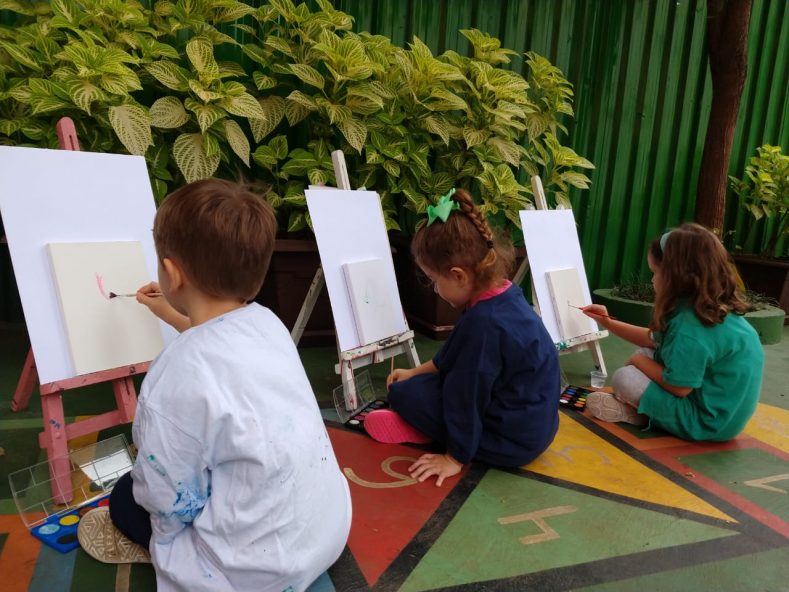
496, 396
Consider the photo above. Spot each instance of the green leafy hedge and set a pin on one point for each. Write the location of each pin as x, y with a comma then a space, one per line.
221, 88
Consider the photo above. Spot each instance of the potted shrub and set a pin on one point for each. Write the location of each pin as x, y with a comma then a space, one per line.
764, 193
223, 88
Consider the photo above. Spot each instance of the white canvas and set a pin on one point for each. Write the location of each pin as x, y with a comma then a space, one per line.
552, 243
104, 332
55, 196
374, 309
566, 296
349, 226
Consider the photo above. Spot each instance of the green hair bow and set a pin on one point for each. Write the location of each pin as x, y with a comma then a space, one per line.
443, 208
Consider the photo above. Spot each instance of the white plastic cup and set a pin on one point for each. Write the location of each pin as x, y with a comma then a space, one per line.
597, 378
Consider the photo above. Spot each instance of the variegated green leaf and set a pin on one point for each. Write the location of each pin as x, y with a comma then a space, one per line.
438, 126
168, 113
355, 132
120, 84
9, 126
273, 111
41, 104
244, 106
231, 69
83, 93
211, 146
21, 54
295, 112
232, 12
191, 158
201, 53
318, 176
67, 10
207, 115
237, 140
308, 75
279, 44
263, 82
132, 125
201, 91
507, 150
474, 136
306, 101
169, 74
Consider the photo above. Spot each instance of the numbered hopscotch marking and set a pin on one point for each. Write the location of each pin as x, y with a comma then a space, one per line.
538, 517
386, 467
762, 483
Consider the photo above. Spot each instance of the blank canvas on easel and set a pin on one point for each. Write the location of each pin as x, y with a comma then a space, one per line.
374, 308
566, 295
103, 332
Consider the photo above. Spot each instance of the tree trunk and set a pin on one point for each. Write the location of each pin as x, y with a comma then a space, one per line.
727, 47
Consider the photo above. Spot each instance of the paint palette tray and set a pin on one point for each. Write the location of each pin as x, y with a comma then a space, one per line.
53, 515
574, 397
366, 401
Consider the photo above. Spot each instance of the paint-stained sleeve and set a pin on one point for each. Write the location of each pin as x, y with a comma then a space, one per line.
171, 479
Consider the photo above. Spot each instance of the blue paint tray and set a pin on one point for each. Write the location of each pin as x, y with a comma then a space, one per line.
94, 470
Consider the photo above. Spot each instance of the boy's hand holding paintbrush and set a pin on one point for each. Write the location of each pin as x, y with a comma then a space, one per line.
150, 295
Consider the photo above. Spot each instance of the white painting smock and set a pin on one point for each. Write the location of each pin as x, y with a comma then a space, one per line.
234, 462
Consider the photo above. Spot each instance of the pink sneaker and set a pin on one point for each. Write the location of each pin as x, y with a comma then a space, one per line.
384, 425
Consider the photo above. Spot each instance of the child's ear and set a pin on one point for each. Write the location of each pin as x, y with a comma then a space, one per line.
459, 274
174, 273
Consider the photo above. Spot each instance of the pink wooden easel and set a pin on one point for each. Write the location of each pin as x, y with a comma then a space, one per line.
56, 432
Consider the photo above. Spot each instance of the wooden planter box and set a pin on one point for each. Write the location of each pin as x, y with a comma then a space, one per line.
767, 276
768, 322
289, 277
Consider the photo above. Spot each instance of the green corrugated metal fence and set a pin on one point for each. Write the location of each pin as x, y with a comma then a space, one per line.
642, 100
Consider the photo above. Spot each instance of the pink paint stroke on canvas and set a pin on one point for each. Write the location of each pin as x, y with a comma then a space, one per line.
100, 284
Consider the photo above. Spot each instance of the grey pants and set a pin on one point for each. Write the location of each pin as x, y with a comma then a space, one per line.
630, 383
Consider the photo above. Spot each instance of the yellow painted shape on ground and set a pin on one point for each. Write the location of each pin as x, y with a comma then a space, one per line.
580, 456
770, 425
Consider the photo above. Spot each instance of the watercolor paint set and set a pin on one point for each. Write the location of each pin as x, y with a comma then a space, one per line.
59, 531
356, 421
574, 397
53, 515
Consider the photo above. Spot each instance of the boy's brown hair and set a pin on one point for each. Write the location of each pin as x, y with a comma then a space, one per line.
694, 268
221, 233
465, 240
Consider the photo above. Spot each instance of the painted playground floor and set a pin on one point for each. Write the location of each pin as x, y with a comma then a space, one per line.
607, 508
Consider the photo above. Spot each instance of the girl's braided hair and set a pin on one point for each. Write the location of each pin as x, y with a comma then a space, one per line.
465, 240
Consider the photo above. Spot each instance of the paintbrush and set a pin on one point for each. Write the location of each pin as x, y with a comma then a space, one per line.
133, 295
605, 316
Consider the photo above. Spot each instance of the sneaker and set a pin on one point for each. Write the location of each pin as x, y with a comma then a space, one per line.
102, 541
384, 425
608, 408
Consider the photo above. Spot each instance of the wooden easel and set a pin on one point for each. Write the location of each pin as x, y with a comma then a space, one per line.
56, 432
577, 344
364, 355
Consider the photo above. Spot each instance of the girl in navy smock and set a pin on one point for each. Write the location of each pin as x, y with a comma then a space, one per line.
492, 392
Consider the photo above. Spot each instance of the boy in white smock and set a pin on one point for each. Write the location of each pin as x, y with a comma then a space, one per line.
236, 486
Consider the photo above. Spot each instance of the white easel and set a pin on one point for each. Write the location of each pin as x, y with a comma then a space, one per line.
366, 354
577, 344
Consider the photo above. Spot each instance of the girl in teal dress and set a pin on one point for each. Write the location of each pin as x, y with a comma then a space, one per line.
698, 371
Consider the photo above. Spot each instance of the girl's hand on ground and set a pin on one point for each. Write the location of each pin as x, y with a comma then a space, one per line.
440, 465
597, 312
399, 374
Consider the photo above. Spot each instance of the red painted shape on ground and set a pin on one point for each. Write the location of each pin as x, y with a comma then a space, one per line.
19, 554
669, 457
384, 519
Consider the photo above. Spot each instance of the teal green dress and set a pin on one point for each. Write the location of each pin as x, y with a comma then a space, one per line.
723, 364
